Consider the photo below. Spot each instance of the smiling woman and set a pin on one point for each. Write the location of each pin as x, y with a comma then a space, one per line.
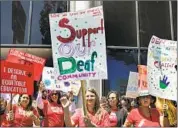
22, 114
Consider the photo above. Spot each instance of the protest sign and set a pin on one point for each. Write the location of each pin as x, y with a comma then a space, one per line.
52, 84
78, 45
20, 57
162, 68
142, 80
132, 86
16, 78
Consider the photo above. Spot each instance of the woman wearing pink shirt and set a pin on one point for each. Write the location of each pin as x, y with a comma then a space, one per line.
145, 116
95, 116
23, 114
52, 108
113, 98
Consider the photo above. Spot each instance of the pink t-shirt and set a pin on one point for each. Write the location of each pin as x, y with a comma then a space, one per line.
78, 119
54, 115
139, 120
21, 117
113, 119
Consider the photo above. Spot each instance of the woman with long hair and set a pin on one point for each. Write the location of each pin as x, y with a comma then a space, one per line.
23, 114
95, 116
145, 116
52, 108
113, 98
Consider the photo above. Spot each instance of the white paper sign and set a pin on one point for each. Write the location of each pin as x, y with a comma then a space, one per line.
162, 64
51, 84
132, 86
78, 44
48, 78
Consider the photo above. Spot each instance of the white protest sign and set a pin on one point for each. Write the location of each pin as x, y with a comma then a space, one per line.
78, 45
48, 78
161, 65
132, 86
51, 84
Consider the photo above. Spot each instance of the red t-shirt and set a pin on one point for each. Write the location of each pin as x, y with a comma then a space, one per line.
21, 118
78, 119
139, 120
54, 115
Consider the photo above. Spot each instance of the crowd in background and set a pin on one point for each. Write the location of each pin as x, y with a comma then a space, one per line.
57, 109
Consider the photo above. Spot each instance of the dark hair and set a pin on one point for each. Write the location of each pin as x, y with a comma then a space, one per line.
125, 99
59, 96
153, 100
117, 97
97, 104
29, 106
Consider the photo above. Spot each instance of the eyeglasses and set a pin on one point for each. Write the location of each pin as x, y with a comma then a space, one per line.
111, 98
26, 98
54, 94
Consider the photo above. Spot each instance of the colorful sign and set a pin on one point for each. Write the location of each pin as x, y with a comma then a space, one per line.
78, 44
162, 68
142, 80
52, 84
20, 57
16, 78
132, 86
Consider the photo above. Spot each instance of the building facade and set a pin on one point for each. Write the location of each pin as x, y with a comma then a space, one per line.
129, 26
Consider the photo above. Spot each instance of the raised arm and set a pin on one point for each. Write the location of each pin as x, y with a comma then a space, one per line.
39, 99
67, 117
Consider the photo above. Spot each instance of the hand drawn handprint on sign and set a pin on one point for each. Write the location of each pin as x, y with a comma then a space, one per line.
163, 83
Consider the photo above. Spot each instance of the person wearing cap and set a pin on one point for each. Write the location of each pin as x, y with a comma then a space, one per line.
146, 116
52, 108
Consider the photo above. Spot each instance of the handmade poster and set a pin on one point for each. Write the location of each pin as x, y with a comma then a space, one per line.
142, 80
78, 45
48, 78
52, 84
20, 57
16, 78
132, 86
162, 68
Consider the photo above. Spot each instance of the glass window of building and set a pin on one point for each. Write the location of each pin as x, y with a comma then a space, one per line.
143, 57
120, 23
154, 19
14, 21
40, 31
120, 63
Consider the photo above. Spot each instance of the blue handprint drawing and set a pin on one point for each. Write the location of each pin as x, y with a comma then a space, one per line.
163, 83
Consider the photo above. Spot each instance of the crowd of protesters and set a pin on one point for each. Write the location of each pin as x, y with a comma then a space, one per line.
57, 109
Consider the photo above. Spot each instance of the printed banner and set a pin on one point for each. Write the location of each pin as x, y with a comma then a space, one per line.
52, 84
162, 68
20, 57
16, 78
78, 44
142, 80
132, 86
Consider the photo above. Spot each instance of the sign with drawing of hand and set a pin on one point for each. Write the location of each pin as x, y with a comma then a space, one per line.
78, 45
162, 68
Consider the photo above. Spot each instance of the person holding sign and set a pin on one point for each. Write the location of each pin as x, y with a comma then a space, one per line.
23, 114
93, 117
52, 108
145, 116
